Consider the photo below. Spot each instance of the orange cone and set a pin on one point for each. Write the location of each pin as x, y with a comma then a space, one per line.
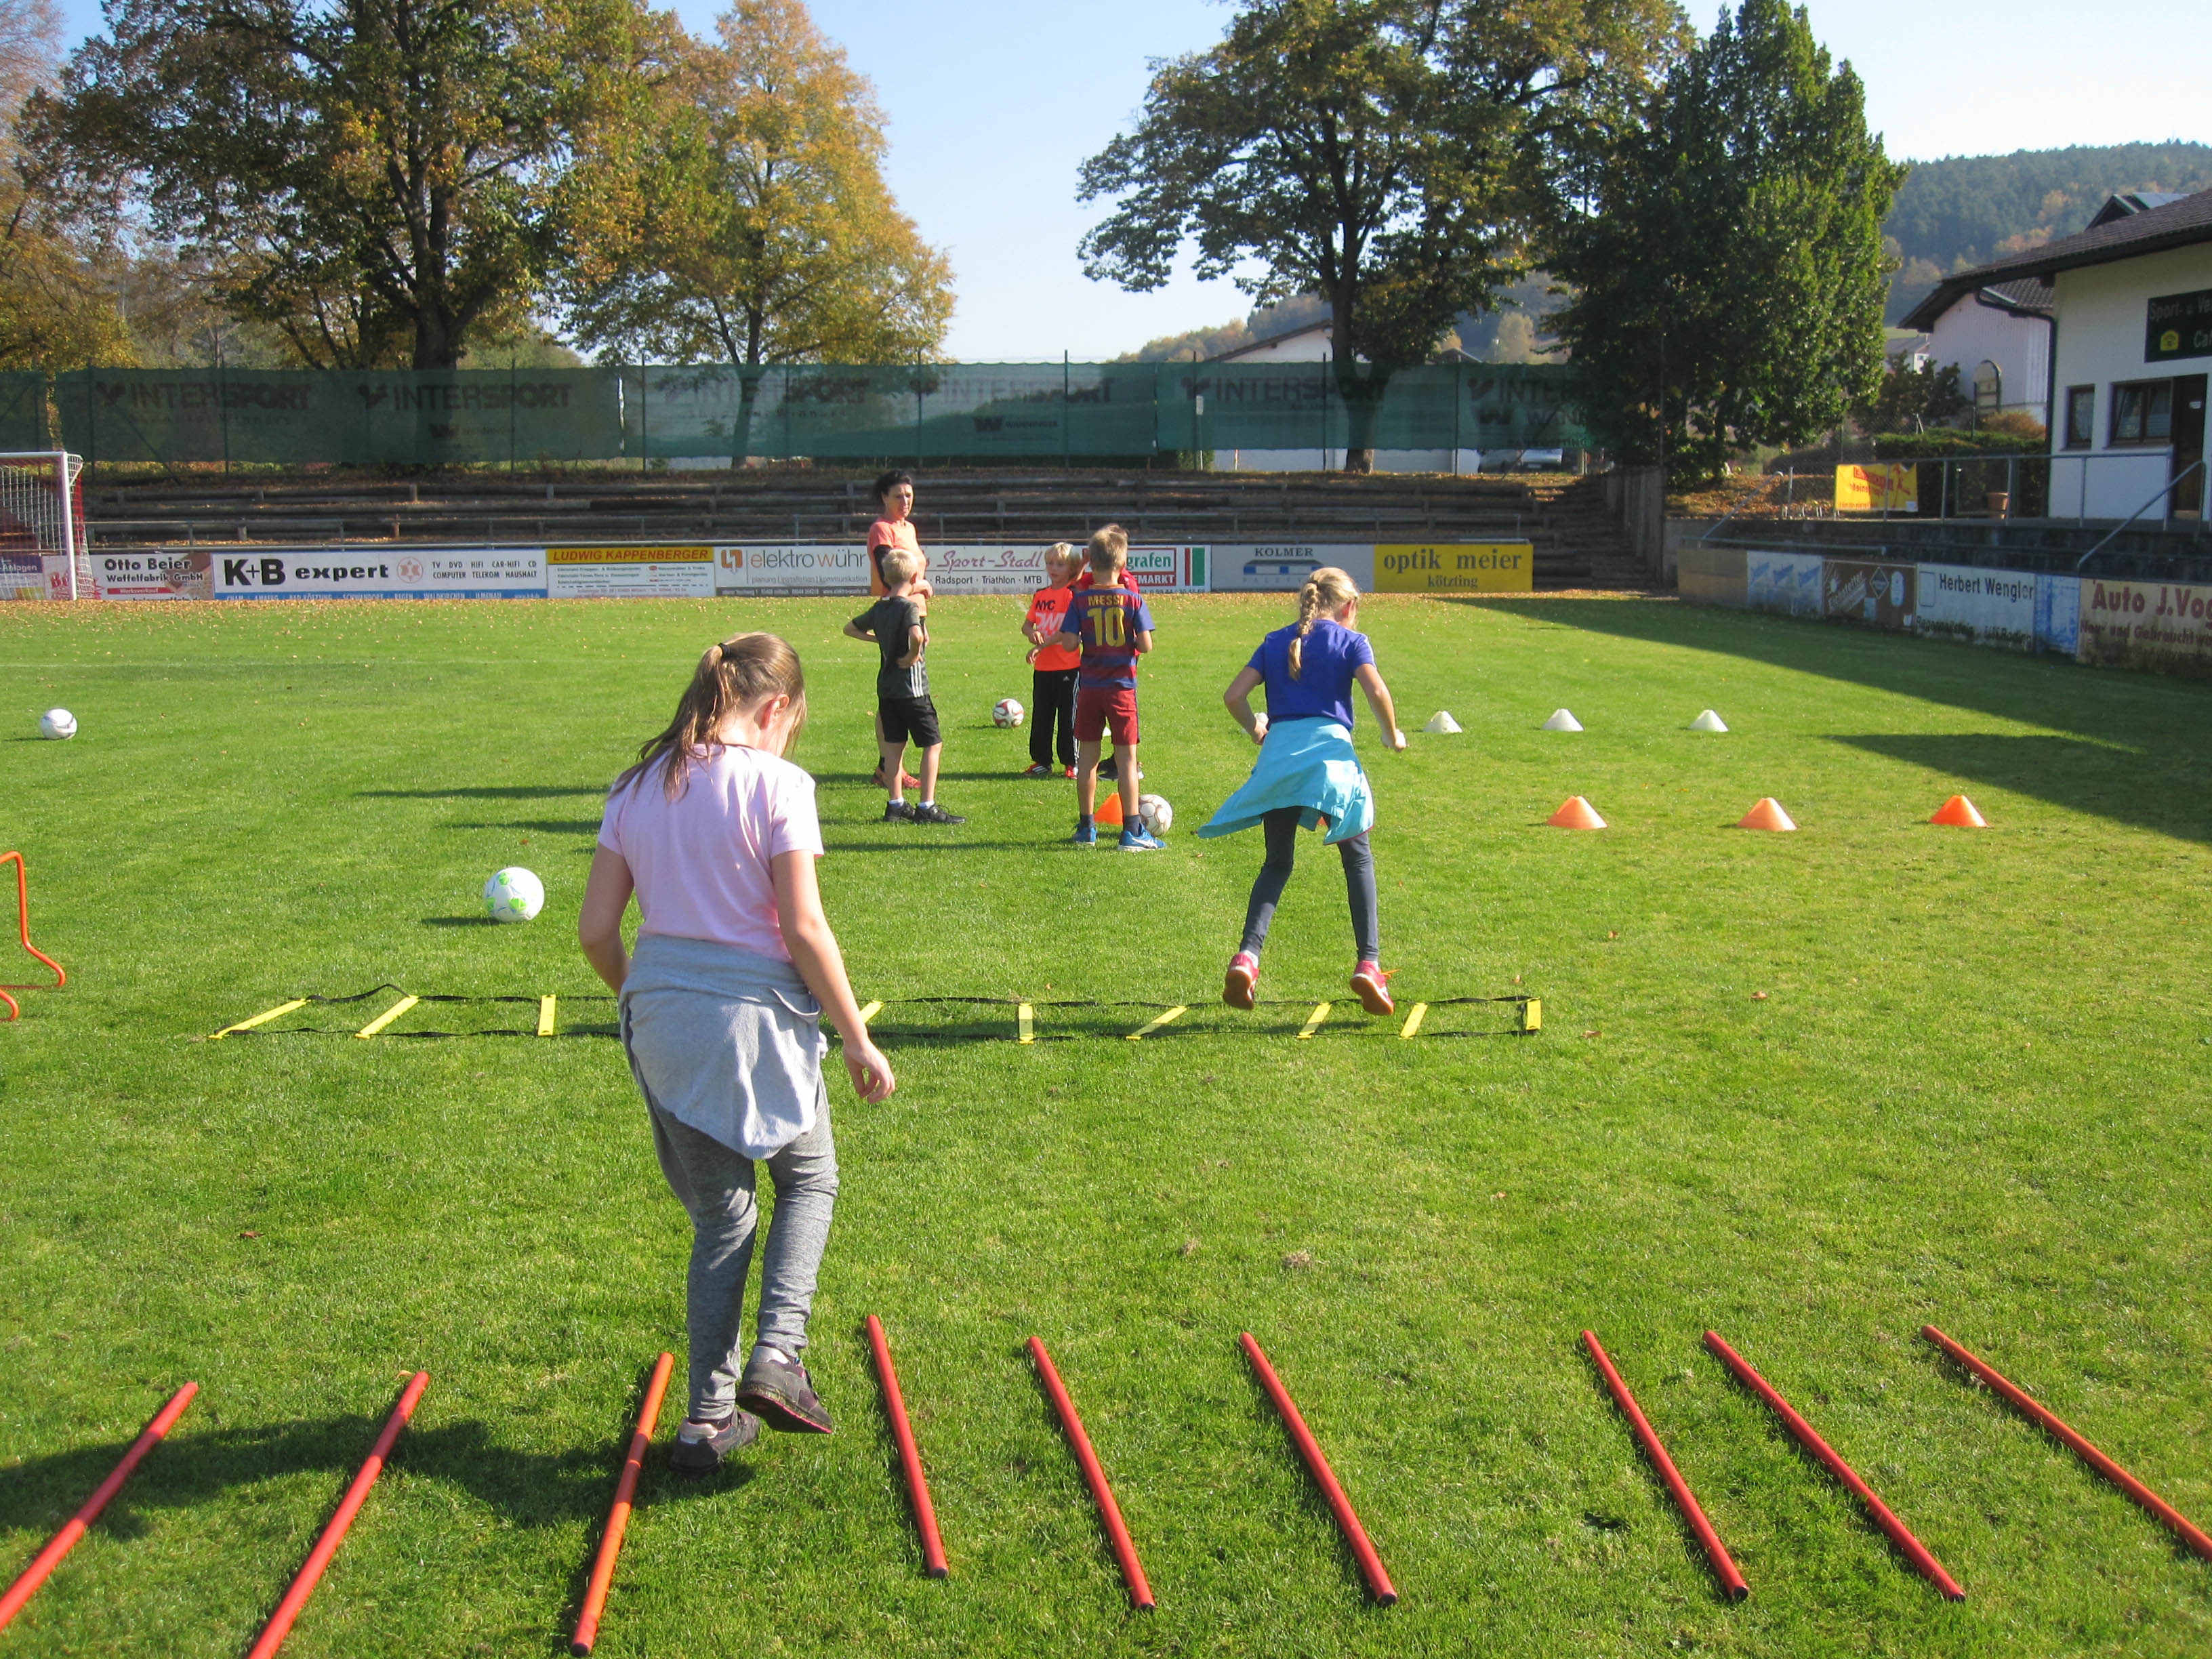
1575, 814
1959, 813
1766, 815
1109, 810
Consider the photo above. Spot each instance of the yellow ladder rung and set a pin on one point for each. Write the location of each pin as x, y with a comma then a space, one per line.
1025, 1018
869, 1011
278, 1012
545, 1015
1152, 1025
1532, 1015
1314, 1020
387, 1016
1413, 1020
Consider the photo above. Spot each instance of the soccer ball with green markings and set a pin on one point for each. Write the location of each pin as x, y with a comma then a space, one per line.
513, 895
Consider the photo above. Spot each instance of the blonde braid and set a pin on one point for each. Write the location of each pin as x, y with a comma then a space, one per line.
1328, 589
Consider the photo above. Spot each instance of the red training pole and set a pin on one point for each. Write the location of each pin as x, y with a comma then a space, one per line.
925, 1515
2088, 1454
1724, 1568
1370, 1564
65, 1541
1899, 1534
280, 1623
611, 1541
1125, 1552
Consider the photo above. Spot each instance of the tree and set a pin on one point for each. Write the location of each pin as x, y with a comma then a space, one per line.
373, 179
747, 222
56, 304
1907, 399
1728, 271
1387, 155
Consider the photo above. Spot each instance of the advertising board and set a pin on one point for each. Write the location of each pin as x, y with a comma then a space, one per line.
2058, 614
2146, 625
1456, 568
1990, 607
1879, 593
1283, 566
411, 572
1891, 487
791, 566
1786, 582
629, 572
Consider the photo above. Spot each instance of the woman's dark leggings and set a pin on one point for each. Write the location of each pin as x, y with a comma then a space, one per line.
1281, 827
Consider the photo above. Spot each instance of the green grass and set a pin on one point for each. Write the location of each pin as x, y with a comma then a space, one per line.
1974, 1094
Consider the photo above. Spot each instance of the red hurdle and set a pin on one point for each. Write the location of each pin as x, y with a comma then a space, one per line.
925, 1514
1125, 1552
1724, 1567
1899, 1533
280, 1623
23, 927
65, 1541
1370, 1564
611, 1541
2018, 1398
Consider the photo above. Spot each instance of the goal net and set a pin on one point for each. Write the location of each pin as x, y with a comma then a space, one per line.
42, 543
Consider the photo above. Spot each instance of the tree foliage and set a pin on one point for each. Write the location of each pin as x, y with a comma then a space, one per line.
377, 180
1387, 155
1727, 267
1909, 399
748, 221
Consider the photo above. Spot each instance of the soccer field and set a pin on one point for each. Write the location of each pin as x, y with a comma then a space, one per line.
1810, 1091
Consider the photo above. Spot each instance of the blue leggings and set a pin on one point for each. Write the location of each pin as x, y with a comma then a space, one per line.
1281, 828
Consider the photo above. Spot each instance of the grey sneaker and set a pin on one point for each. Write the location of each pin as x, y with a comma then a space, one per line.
897, 811
700, 1447
933, 813
783, 1396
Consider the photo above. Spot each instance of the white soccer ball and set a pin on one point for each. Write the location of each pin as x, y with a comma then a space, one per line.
513, 895
1155, 813
1008, 713
57, 723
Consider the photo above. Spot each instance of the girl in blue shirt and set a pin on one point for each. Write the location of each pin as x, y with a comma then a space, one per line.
1307, 774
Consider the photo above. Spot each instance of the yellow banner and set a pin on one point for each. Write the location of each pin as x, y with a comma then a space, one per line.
1894, 487
630, 556
1456, 568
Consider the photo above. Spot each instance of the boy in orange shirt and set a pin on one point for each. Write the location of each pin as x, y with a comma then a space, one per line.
1052, 684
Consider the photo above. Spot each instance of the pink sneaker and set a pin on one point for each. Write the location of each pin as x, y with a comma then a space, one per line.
1237, 985
1371, 984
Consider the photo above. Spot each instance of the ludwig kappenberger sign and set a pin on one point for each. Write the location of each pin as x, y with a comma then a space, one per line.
1456, 568
630, 572
2178, 325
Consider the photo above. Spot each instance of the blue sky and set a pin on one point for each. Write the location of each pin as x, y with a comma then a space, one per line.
993, 104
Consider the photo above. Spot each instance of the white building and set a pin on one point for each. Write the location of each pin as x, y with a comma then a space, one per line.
2132, 315
1998, 339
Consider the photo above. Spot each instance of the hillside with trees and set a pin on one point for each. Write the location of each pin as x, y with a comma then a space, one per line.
1966, 209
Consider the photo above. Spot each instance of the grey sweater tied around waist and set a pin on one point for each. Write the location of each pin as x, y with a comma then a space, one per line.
725, 1041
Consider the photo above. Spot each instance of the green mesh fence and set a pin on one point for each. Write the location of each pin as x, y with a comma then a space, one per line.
23, 411
964, 411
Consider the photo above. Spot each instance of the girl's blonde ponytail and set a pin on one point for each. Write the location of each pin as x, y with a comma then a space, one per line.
733, 673
1328, 589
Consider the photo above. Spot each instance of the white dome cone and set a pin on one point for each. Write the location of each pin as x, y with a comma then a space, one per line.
1708, 721
1562, 721
1441, 721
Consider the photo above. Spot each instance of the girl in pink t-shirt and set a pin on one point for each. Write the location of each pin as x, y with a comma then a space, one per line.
715, 834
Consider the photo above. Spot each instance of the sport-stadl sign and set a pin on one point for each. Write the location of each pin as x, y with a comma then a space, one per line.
2179, 325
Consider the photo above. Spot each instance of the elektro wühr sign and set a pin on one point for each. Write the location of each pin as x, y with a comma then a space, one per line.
2179, 325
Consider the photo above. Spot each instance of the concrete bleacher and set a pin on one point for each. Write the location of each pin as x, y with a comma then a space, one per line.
1576, 540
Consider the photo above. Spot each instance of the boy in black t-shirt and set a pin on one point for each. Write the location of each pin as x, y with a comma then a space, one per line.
896, 622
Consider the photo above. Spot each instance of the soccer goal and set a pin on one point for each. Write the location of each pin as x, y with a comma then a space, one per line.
43, 553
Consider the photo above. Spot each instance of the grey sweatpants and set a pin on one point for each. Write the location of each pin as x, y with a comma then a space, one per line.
714, 1184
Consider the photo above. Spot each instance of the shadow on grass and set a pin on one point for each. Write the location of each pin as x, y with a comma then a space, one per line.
458, 922
188, 1471
539, 826
2164, 790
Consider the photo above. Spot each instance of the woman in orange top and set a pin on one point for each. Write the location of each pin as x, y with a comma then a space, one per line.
894, 495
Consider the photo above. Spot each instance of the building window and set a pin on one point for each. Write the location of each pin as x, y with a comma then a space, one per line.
2142, 412
1988, 389
2080, 416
